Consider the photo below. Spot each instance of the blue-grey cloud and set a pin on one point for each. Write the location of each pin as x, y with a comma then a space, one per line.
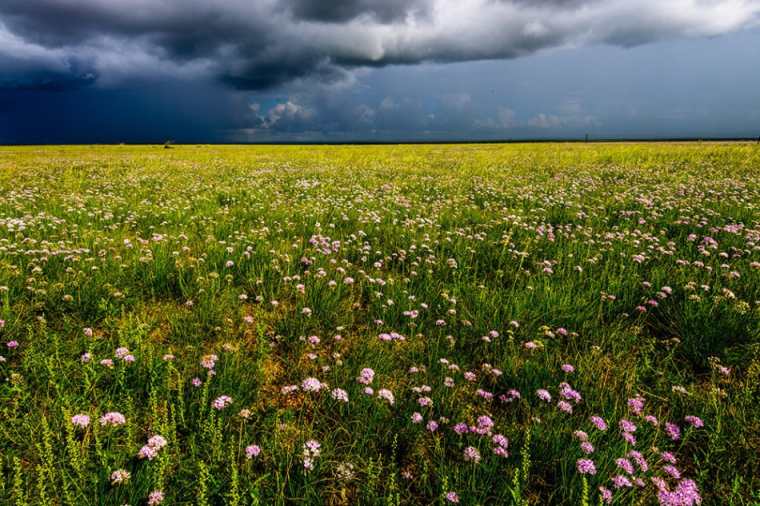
262, 44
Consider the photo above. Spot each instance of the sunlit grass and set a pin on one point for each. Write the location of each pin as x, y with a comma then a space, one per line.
230, 299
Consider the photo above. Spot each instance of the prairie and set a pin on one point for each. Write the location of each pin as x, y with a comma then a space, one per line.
421, 324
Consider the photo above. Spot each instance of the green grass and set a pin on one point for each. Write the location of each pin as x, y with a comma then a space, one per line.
182, 251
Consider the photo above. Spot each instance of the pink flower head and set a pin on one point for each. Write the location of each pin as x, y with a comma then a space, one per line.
694, 421
471, 454
339, 395
627, 426
147, 452
112, 418
452, 497
221, 402
252, 451
155, 498
636, 405
673, 431
80, 420
386, 395
585, 466
366, 376
599, 422
311, 385
625, 465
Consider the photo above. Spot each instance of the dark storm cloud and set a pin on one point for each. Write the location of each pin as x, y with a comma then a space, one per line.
261, 44
345, 10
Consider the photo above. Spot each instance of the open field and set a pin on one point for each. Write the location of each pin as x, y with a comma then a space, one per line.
380, 325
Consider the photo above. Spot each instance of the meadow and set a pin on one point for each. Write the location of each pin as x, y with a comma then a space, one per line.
492, 324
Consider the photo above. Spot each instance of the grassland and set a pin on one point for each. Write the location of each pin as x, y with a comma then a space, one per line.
380, 325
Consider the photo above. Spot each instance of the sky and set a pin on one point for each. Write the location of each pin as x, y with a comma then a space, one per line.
103, 71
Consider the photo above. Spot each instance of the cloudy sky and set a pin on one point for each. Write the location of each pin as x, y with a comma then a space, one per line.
341, 70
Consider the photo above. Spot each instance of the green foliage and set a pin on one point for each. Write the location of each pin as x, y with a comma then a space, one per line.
152, 283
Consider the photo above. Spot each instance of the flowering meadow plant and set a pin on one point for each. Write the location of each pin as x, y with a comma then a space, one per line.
466, 324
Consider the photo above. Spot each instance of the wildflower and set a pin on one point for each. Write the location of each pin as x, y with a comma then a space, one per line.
368, 391
567, 392
484, 425
500, 440
694, 421
252, 451
471, 454
311, 385
565, 407
221, 402
500, 451
80, 420
339, 395
567, 368
107, 362
147, 452
668, 457
580, 435
432, 426
311, 450
685, 494
387, 395
452, 497
652, 420
155, 497
416, 417
627, 426
209, 361
620, 481
640, 460
605, 494
599, 423
87, 332
587, 448
425, 402
544, 395
585, 466
629, 438
625, 465
85, 358
121, 352
461, 428
673, 431
196, 382
112, 418
157, 442
636, 405
672, 471
12, 345
120, 476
